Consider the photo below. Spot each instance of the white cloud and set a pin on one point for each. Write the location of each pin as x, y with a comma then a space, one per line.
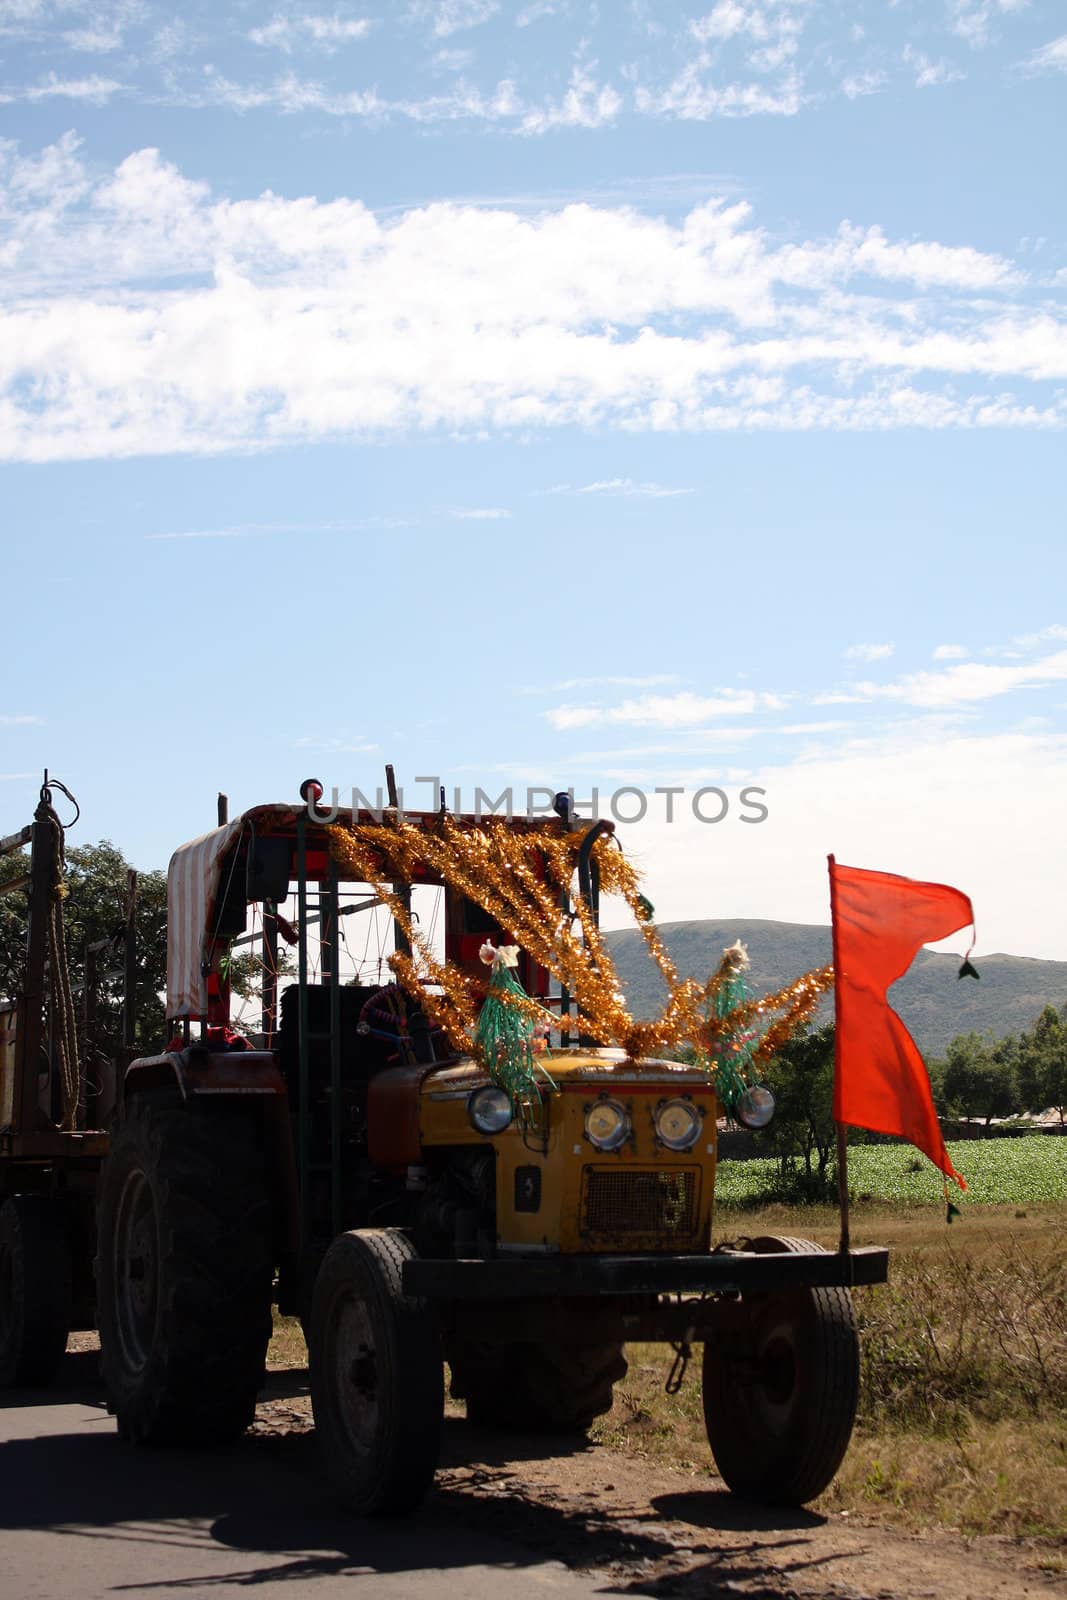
931, 74
974, 20
1052, 57
94, 89
869, 652
682, 710
452, 16
16, 777
586, 104
265, 321
649, 681
19, 720
950, 652
692, 98
535, 11
628, 488
286, 31
856, 85
968, 683
479, 514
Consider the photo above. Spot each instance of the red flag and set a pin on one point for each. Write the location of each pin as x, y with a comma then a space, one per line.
880, 922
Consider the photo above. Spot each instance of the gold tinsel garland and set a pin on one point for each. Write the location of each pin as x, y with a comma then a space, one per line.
496, 867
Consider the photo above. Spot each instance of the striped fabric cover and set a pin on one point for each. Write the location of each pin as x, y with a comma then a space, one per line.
192, 884
192, 887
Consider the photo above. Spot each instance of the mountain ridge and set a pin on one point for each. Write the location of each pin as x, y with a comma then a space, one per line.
934, 1004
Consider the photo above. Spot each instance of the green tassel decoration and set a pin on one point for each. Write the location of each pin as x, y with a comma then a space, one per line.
731, 1057
505, 1037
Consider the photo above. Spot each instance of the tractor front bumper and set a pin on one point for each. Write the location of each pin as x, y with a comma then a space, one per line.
721, 1272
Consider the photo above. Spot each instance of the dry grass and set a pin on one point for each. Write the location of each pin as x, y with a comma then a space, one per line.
287, 1348
963, 1407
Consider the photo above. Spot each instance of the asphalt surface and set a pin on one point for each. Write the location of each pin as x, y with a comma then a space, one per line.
83, 1514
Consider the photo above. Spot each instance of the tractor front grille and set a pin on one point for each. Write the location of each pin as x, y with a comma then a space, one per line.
621, 1202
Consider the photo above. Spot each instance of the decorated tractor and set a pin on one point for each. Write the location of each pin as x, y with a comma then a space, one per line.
480, 1159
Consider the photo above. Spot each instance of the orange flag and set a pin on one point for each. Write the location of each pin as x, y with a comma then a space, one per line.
880, 922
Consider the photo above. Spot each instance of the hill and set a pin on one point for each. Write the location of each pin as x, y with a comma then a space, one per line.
935, 1004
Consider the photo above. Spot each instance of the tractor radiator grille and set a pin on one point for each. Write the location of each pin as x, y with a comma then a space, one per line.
622, 1202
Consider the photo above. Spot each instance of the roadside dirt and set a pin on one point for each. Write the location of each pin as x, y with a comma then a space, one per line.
650, 1531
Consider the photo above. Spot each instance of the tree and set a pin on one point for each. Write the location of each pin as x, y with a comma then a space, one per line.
1043, 1064
979, 1080
803, 1133
94, 909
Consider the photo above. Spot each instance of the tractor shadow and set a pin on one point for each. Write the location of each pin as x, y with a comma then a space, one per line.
262, 1512
78, 1383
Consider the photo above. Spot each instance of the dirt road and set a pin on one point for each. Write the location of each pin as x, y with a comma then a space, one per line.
80, 1513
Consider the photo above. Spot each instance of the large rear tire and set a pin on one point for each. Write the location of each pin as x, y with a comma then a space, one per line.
781, 1385
541, 1388
35, 1289
377, 1375
184, 1272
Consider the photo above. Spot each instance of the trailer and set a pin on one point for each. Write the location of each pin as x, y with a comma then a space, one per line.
53, 1116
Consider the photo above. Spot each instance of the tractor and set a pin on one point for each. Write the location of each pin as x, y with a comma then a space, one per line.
367, 1160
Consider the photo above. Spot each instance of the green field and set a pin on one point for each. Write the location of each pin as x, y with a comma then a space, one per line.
1029, 1171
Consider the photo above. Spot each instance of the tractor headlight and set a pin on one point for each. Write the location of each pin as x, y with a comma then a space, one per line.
677, 1124
756, 1107
490, 1109
607, 1124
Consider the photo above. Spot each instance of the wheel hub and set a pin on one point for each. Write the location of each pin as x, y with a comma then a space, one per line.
135, 1259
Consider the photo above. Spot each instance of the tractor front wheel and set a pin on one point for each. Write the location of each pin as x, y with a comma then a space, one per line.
377, 1374
781, 1383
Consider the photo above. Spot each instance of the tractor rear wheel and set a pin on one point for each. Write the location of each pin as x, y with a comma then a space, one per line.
542, 1388
780, 1388
184, 1272
35, 1289
377, 1375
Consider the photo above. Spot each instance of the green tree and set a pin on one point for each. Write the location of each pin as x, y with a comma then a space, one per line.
94, 909
803, 1134
1043, 1064
979, 1080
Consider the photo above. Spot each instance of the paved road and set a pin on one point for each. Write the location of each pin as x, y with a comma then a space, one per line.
82, 1515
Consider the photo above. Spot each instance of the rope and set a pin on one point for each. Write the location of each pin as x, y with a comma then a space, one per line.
64, 1020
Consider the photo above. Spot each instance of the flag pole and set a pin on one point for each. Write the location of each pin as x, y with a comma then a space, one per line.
842, 1131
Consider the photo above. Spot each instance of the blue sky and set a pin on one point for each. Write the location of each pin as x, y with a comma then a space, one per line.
540, 394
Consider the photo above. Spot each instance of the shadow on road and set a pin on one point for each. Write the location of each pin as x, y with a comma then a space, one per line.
267, 1498
78, 1384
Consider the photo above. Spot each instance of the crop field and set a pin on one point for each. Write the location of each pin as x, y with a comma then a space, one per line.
1022, 1172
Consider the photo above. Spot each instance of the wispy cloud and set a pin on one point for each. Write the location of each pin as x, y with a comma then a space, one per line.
94, 89
17, 777
289, 30
628, 488
950, 652
931, 74
446, 17
332, 745
869, 652
967, 683
856, 85
649, 681
1051, 57
683, 710
479, 513
19, 720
